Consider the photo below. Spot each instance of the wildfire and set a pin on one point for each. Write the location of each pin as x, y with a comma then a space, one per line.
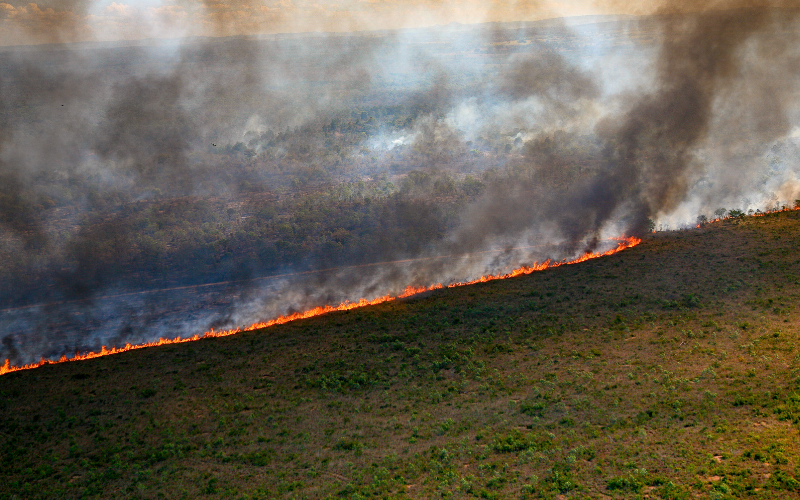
757, 213
622, 244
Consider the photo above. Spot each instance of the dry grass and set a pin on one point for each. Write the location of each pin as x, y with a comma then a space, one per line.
669, 370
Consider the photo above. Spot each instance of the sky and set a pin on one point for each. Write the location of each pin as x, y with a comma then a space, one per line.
59, 21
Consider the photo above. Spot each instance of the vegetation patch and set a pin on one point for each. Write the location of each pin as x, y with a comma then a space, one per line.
462, 393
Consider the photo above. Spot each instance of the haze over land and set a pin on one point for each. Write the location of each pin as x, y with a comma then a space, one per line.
128, 168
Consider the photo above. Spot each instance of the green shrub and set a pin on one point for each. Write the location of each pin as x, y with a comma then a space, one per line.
148, 393
628, 483
790, 409
349, 445
517, 441
534, 409
781, 480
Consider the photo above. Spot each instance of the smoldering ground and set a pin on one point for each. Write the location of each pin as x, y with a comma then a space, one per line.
460, 152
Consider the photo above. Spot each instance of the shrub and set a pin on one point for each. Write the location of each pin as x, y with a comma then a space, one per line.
534, 409
781, 480
628, 483
517, 441
349, 445
148, 393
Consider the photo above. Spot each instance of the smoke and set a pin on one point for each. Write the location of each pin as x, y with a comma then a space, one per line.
418, 156
701, 60
648, 160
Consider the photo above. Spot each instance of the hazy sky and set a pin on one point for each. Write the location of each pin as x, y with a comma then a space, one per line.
46, 21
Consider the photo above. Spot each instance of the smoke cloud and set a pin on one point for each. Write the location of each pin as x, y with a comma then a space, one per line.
300, 170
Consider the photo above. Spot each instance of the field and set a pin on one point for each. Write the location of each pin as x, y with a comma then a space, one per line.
668, 370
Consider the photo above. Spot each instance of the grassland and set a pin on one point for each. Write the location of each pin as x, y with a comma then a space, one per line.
667, 371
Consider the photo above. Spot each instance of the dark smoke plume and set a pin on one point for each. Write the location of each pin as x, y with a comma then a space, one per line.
700, 58
646, 163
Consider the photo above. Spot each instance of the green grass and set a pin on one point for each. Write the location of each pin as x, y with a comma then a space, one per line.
668, 371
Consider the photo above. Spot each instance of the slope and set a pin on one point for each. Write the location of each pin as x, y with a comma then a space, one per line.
668, 370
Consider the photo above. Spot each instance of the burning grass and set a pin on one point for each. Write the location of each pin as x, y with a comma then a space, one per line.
665, 371
409, 291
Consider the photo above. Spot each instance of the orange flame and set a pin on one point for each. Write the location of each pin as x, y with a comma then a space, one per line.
759, 213
622, 244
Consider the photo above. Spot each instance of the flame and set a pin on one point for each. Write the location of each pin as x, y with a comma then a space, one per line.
622, 244
757, 213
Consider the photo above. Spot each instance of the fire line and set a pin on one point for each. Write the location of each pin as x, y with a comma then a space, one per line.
623, 243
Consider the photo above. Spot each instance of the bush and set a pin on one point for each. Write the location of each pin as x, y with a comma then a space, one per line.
349, 445
628, 483
148, 393
670, 491
534, 409
511, 442
691, 300
783, 481
790, 409
517, 441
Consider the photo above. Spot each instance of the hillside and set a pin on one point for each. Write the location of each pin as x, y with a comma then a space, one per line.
668, 370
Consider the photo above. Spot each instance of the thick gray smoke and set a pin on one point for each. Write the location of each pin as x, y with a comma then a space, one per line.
646, 162
132, 176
